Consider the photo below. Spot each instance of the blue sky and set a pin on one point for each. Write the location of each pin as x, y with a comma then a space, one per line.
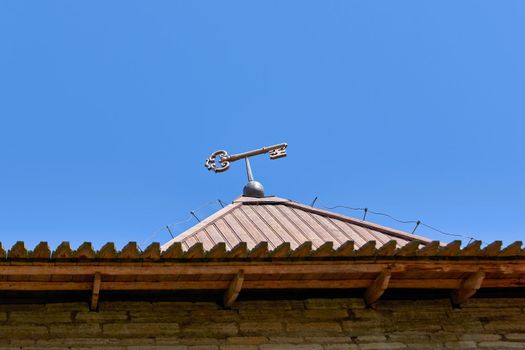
109, 109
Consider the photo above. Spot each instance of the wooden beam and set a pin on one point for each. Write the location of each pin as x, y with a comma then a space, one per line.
131, 285
378, 287
444, 268
233, 290
41, 286
95, 291
468, 288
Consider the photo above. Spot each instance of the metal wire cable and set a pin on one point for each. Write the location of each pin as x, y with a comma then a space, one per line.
188, 219
393, 218
445, 233
417, 222
339, 206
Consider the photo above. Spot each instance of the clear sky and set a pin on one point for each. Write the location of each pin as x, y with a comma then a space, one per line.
108, 110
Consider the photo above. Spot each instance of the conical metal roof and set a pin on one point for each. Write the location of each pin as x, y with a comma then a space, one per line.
276, 220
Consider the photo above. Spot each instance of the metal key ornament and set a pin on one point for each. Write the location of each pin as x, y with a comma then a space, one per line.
220, 161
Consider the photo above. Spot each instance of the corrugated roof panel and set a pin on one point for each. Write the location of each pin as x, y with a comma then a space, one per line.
271, 232
257, 233
249, 236
317, 227
378, 236
241, 235
205, 238
293, 231
338, 234
299, 226
231, 238
273, 218
216, 235
188, 242
347, 228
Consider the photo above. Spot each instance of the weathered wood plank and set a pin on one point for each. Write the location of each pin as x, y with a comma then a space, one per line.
17, 251
368, 249
41, 251
63, 251
281, 251
130, 251
377, 288
196, 251
513, 249
108, 251
408, 249
239, 251
387, 249
346, 249
95, 291
174, 251
473, 249
303, 250
451, 249
468, 288
492, 249
217, 251
234, 289
327, 249
430, 249
152, 252
85, 251
259, 251
515, 267
247, 284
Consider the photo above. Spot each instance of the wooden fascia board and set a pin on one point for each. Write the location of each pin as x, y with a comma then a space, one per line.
265, 267
452, 284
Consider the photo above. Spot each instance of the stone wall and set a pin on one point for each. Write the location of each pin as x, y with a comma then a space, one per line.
264, 325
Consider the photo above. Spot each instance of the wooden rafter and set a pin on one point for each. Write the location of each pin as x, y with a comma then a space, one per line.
468, 288
95, 291
234, 289
378, 287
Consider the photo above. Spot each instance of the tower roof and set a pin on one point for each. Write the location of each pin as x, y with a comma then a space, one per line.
276, 220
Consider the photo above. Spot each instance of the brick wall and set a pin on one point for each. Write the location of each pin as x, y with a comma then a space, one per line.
264, 325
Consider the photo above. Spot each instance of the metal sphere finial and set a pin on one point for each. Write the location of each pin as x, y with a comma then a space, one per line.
253, 189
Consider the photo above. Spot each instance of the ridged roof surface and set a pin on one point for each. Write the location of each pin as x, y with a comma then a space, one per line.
276, 220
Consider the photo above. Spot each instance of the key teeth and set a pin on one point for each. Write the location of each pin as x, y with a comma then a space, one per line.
277, 153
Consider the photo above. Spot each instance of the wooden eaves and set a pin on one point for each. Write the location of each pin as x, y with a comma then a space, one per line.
431, 266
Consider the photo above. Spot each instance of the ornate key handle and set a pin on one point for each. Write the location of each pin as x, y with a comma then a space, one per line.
219, 161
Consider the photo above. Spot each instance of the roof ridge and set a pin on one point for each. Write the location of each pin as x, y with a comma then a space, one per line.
362, 223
